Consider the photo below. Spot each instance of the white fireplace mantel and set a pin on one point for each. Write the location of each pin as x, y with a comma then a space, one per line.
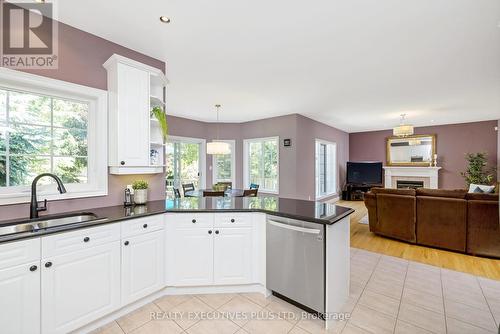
429, 175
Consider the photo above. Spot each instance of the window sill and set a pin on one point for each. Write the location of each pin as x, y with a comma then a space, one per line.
327, 196
21, 198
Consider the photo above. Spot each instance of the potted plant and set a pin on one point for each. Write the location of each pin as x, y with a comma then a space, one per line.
476, 172
161, 117
140, 191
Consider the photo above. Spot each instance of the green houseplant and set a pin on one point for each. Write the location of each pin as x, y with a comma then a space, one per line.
140, 191
477, 171
161, 117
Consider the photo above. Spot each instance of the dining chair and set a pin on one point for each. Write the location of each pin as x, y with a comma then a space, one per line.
177, 193
208, 193
187, 187
254, 186
250, 193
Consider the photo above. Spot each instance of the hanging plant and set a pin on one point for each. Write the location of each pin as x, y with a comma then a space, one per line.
161, 117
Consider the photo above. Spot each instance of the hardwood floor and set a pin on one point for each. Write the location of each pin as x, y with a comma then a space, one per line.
361, 237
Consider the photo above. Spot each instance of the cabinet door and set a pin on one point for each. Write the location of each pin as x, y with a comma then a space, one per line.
193, 254
142, 265
80, 287
233, 255
20, 299
133, 116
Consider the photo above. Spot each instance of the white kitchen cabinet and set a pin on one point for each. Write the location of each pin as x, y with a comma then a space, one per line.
20, 299
79, 287
233, 255
210, 249
193, 256
142, 265
132, 88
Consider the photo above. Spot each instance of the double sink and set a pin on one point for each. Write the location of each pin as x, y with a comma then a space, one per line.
34, 225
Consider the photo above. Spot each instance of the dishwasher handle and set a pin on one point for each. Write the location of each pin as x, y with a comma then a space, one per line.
294, 228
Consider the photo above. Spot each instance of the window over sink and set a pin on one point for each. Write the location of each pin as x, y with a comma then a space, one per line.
51, 126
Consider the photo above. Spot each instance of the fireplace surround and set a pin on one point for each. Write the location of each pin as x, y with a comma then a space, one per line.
428, 176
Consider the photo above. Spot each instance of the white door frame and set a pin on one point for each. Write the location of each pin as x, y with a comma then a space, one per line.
202, 158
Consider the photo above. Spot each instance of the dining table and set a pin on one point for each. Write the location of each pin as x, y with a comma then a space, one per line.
227, 193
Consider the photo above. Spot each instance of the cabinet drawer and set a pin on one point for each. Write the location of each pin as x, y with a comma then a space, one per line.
139, 226
233, 219
68, 242
19, 252
191, 220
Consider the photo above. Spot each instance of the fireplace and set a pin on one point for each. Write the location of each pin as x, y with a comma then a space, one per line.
403, 184
411, 177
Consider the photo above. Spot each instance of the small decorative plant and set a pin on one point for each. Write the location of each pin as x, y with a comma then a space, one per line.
161, 117
476, 172
140, 191
139, 184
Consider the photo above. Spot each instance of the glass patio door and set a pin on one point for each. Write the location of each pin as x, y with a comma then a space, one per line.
183, 164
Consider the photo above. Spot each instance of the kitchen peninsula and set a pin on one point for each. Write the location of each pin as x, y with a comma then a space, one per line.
127, 257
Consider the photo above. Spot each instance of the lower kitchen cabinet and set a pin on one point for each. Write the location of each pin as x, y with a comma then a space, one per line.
80, 287
193, 255
20, 299
142, 265
233, 256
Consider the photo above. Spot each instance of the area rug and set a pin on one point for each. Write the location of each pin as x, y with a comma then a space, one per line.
364, 220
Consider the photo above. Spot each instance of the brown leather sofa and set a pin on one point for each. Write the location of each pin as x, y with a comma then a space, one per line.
447, 219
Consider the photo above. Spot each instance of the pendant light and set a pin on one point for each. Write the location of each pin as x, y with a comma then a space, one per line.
403, 130
217, 147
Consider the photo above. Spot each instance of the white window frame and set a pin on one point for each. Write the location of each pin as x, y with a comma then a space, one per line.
97, 137
246, 176
203, 154
232, 144
333, 164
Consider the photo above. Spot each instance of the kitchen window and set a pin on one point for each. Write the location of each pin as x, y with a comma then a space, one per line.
325, 169
261, 163
50, 126
223, 165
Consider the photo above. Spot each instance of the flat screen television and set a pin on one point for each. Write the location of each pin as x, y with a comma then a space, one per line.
364, 172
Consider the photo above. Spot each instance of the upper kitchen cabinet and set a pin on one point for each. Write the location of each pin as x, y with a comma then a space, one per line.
135, 138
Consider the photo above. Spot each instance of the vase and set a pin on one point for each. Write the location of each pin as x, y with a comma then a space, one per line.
140, 196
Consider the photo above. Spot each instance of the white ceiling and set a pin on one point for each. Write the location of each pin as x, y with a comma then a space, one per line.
352, 64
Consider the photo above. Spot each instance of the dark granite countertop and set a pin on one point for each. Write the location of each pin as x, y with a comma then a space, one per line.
316, 212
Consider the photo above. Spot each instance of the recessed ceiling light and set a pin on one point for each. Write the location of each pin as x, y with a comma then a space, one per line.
165, 19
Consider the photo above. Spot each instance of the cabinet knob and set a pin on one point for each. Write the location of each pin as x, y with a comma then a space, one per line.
209, 231
232, 220
122, 162
86, 239
33, 268
145, 225
217, 232
126, 243
193, 221
48, 264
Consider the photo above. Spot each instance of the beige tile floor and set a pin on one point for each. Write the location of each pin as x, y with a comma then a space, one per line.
388, 295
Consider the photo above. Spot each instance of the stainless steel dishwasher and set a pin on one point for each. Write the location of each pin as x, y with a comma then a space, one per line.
295, 266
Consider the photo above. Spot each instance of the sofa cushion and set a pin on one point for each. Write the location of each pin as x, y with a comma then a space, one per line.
406, 192
481, 197
455, 193
479, 188
441, 222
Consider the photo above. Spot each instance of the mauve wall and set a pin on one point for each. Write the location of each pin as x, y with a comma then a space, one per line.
308, 131
81, 56
296, 162
453, 142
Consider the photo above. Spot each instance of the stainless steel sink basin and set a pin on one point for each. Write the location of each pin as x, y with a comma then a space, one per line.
49, 222
14, 229
54, 222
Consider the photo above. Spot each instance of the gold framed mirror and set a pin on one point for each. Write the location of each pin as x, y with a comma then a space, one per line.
416, 150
